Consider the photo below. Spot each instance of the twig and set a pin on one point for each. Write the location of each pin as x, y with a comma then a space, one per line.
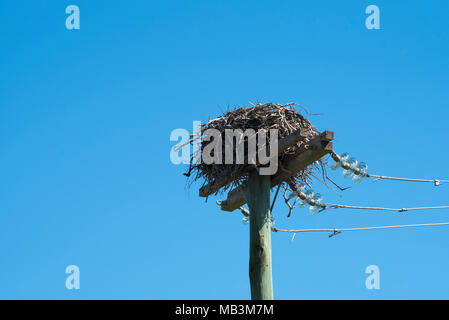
275, 196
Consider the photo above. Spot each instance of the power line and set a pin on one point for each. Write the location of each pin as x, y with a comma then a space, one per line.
336, 231
316, 203
337, 206
360, 171
436, 182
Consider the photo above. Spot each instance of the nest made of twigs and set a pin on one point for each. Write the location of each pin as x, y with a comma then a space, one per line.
285, 118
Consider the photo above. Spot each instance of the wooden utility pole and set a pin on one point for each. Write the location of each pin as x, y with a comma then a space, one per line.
260, 273
257, 194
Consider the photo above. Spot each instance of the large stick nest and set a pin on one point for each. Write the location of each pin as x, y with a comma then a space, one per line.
285, 118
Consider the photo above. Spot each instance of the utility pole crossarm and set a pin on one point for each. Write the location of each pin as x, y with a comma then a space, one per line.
318, 147
284, 144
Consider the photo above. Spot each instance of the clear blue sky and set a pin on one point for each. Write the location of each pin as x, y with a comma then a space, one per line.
85, 119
